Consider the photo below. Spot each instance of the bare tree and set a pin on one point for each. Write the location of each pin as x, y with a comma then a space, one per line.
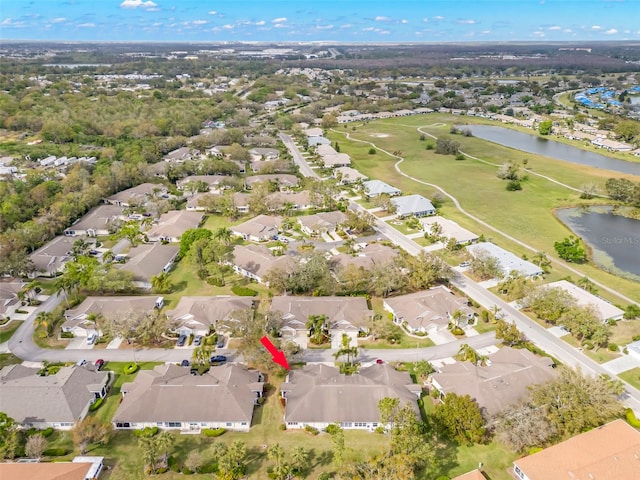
36, 444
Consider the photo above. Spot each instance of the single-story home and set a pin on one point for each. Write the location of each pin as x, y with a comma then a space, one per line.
348, 175
264, 153
375, 188
213, 181
80, 468
318, 395
169, 397
9, 298
255, 261
99, 221
173, 224
610, 451
181, 155
289, 201
367, 257
56, 401
49, 259
503, 381
449, 230
137, 196
107, 307
428, 311
413, 206
507, 261
259, 229
337, 160
320, 223
344, 315
199, 315
148, 260
283, 180
606, 310
313, 132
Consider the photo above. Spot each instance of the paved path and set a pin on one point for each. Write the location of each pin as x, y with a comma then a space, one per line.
299, 160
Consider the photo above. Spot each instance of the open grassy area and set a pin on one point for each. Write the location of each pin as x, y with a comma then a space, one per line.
631, 376
8, 359
526, 215
405, 342
601, 355
624, 331
7, 331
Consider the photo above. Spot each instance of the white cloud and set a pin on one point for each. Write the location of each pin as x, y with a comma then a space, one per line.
611, 31
261, 22
567, 30
438, 18
6, 21
538, 33
227, 26
324, 27
596, 27
279, 20
383, 32
368, 29
404, 20
485, 32
280, 25
381, 18
213, 12
86, 25
346, 25
555, 27
138, 4
425, 20
199, 22
467, 22
58, 20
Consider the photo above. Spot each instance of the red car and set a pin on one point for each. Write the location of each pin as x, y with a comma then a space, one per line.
379, 361
99, 364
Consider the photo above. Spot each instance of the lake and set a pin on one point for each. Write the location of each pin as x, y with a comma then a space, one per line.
614, 240
549, 148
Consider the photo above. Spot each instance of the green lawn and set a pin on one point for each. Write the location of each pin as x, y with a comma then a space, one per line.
601, 355
7, 331
405, 342
477, 187
631, 376
8, 359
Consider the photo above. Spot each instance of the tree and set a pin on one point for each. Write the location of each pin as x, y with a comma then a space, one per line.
466, 353
202, 354
509, 333
318, 332
524, 425
423, 369
230, 460
190, 236
541, 260
90, 430
9, 440
164, 441
300, 457
36, 444
485, 266
150, 452
570, 249
444, 146
46, 321
621, 189
350, 352
161, 283
461, 419
627, 130
549, 304
223, 235
337, 444
586, 284
276, 453
545, 127
360, 222
193, 461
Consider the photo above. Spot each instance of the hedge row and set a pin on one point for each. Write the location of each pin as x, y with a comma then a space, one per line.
96, 405
213, 432
243, 291
631, 418
55, 452
146, 432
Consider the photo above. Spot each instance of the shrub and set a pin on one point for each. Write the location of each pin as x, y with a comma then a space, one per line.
173, 464
613, 347
55, 452
213, 432
46, 432
514, 185
533, 450
146, 432
96, 405
332, 429
631, 418
457, 331
130, 368
211, 468
587, 345
443, 477
161, 470
282, 426
243, 291
429, 146
379, 429
66, 335
372, 151
459, 156
311, 430
186, 471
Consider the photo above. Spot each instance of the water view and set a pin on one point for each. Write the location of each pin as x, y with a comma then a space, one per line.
549, 148
614, 240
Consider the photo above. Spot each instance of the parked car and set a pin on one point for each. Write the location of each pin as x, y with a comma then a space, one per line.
379, 361
184, 363
81, 363
218, 359
182, 339
465, 264
220, 342
91, 339
99, 364
197, 341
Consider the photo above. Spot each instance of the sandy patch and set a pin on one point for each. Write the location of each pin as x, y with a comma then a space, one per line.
380, 135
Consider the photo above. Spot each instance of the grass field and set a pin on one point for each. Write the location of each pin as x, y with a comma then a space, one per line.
631, 376
526, 215
8, 359
7, 331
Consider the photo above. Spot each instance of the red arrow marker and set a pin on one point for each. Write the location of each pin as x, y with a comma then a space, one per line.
278, 355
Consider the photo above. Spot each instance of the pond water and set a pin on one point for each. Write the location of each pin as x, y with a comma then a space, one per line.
549, 148
614, 239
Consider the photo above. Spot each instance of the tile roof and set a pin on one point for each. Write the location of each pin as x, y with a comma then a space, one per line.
148, 259
353, 310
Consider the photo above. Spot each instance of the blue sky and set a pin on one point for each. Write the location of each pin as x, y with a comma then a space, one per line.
320, 20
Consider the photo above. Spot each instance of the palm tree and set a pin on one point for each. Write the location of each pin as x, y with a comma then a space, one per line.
346, 349
161, 283
223, 234
467, 353
44, 320
587, 284
541, 259
202, 354
300, 457
97, 319
457, 317
165, 441
316, 326
276, 453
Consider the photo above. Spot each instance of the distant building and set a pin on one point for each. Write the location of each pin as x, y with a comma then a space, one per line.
200, 315
259, 229
148, 260
172, 225
375, 188
507, 261
413, 206
49, 259
449, 230
606, 310
81, 468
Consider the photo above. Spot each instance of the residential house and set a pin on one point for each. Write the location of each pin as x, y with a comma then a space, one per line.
504, 378
344, 315
77, 319
319, 223
148, 260
195, 202
200, 315
367, 257
313, 132
605, 310
137, 196
213, 182
413, 206
180, 155
9, 296
255, 261
170, 397
449, 230
102, 220
428, 311
472, 475
610, 451
319, 395
49, 259
289, 201
283, 180
81, 468
337, 160
264, 154
507, 261
348, 175
375, 188
56, 401
173, 224
259, 229
313, 141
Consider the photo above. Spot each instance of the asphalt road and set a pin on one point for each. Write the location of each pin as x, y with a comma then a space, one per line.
299, 160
